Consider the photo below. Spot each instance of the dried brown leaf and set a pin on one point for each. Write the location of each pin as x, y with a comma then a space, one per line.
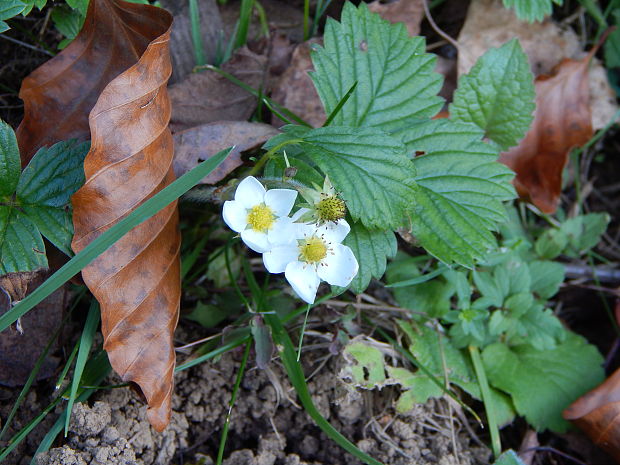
597, 414
59, 94
207, 96
137, 280
295, 90
409, 12
201, 142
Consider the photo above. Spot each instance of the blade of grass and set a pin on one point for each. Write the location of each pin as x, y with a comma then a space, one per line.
96, 369
214, 353
245, 15
297, 378
486, 397
190, 259
244, 360
109, 237
86, 342
321, 7
306, 19
338, 107
67, 367
281, 112
194, 17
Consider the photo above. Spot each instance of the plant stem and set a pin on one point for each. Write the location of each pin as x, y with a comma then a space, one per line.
194, 16
263, 159
496, 444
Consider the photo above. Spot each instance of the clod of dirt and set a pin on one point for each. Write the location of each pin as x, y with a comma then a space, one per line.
267, 428
207, 96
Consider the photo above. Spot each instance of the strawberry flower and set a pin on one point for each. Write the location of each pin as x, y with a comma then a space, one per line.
260, 215
316, 255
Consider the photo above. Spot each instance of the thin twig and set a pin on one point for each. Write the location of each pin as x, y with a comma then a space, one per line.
602, 274
24, 44
427, 12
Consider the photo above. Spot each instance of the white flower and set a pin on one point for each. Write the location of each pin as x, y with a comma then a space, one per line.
316, 255
260, 215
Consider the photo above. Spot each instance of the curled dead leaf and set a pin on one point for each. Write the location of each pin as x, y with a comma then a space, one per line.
59, 94
207, 96
136, 281
562, 120
597, 414
201, 142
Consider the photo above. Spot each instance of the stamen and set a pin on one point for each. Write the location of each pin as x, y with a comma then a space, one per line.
261, 218
312, 250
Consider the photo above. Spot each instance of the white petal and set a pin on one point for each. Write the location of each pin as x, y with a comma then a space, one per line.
283, 231
334, 232
250, 192
303, 279
278, 258
281, 201
339, 267
306, 230
257, 241
299, 213
235, 215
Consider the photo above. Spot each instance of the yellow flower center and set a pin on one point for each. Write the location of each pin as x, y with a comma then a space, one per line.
312, 250
261, 218
330, 208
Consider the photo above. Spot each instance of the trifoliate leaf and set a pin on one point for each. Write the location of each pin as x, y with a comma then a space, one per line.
546, 278
497, 95
10, 164
370, 170
67, 20
432, 296
21, 244
544, 382
45, 187
551, 243
372, 248
460, 191
396, 82
584, 232
531, 10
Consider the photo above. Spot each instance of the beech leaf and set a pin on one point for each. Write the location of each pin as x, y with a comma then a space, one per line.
562, 120
59, 94
109, 84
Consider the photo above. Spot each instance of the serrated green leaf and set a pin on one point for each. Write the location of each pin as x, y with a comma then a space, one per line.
46, 186
79, 5
21, 245
612, 44
543, 383
68, 21
546, 278
509, 457
487, 286
460, 191
551, 243
397, 84
9, 9
431, 297
370, 170
584, 232
531, 10
497, 95
30, 4
10, 164
367, 368
436, 352
372, 248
